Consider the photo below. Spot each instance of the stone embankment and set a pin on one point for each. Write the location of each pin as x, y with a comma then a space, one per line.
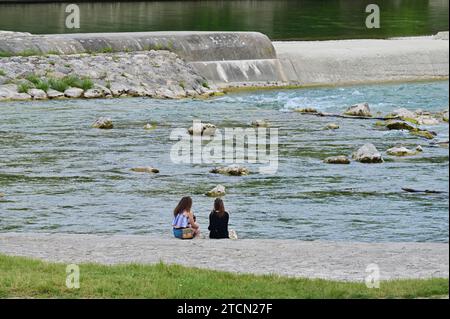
183, 64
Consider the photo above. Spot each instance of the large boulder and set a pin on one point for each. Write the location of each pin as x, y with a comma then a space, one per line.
341, 159
20, 96
217, 191
37, 94
399, 125
233, 170
427, 120
53, 94
93, 93
403, 114
361, 109
103, 123
367, 153
73, 92
401, 151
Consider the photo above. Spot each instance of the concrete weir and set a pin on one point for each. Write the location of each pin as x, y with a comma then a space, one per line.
250, 58
221, 57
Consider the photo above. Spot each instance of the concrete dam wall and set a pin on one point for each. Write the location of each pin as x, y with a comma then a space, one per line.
250, 58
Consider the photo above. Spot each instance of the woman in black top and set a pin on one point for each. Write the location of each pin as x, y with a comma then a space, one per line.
218, 221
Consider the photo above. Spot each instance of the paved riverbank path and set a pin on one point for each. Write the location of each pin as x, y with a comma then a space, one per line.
328, 260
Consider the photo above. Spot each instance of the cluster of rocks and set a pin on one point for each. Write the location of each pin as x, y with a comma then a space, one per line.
400, 119
368, 153
157, 74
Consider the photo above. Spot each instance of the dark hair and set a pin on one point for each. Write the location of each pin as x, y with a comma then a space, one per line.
185, 204
219, 207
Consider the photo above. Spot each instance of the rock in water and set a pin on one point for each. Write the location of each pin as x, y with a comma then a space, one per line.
146, 169
233, 170
419, 148
361, 109
103, 124
368, 153
425, 134
2, 195
149, 126
260, 123
203, 129
445, 116
331, 126
399, 125
217, 191
306, 110
400, 151
427, 120
342, 159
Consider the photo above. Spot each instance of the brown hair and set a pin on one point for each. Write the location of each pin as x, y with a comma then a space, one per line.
219, 207
185, 204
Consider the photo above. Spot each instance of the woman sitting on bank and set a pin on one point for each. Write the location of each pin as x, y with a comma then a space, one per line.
218, 221
184, 224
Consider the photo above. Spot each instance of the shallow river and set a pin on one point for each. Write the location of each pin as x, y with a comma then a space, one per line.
61, 175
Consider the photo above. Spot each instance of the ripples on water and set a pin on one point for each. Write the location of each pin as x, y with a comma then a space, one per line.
60, 175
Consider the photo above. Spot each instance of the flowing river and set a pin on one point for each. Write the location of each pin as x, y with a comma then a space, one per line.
60, 175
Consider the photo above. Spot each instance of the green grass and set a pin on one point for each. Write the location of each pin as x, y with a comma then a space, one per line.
58, 84
205, 85
38, 82
86, 84
33, 78
2, 73
43, 85
70, 81
24, 87
23, 277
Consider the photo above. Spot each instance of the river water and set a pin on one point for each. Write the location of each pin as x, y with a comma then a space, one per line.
61, 175
279, 19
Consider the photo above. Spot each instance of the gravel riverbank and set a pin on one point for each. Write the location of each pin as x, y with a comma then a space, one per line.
329, 260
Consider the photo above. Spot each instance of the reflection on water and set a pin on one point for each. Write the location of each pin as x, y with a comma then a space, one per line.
280, 19
60, 175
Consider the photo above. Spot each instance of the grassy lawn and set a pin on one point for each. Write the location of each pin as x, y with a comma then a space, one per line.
23, 277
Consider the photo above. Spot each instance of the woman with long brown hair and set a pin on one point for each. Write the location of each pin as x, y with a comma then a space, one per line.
218, 221
184, 223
